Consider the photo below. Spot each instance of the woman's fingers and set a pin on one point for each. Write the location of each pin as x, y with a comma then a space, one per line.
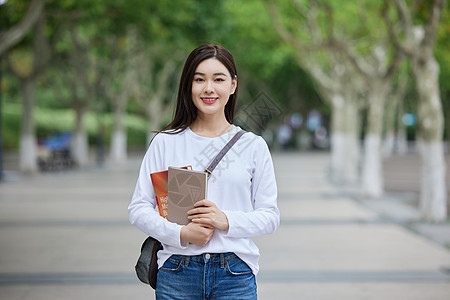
201, 206
196, 234
207, 213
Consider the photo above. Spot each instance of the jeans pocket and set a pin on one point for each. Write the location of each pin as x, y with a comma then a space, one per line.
237, 267
172, 264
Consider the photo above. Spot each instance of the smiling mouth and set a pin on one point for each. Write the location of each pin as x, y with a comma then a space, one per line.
209, 100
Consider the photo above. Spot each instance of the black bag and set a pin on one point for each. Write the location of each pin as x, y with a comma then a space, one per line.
147, 264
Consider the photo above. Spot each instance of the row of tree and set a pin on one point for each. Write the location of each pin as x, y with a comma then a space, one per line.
125, 56
346, 64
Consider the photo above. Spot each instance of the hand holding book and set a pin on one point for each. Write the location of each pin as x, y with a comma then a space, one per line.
207, 213
189, 189
197, 234
193, 232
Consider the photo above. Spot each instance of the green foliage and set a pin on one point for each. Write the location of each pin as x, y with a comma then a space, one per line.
442, 49
50, 121
253, 40
167, 28
442, 52
12, 12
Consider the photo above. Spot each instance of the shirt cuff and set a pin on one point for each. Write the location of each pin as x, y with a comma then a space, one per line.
230, 219
181, 244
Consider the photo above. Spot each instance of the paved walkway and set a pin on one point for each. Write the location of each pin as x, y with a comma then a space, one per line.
67, 236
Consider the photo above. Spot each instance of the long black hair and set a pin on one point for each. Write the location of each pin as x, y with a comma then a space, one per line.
185, 111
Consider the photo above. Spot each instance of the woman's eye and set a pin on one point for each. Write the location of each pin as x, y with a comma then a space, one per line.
198, 79
220, 79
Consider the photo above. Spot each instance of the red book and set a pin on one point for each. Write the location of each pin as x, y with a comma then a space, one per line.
159, 181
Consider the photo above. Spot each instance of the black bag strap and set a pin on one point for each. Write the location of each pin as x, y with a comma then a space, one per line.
224, 151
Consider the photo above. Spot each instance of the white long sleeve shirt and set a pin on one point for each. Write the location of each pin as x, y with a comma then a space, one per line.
243, 186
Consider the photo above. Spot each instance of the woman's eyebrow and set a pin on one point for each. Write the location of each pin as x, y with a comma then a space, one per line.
215, 74
220, 74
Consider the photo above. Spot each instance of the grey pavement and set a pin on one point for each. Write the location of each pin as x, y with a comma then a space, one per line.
66, 236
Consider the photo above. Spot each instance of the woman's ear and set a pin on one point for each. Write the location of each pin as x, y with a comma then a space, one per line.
234, 84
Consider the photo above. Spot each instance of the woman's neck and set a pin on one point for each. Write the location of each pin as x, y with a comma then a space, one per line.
210, 127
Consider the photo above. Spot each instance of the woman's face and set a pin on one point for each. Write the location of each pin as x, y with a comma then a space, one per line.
211, 87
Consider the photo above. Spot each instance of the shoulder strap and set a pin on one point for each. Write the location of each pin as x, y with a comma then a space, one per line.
224, 151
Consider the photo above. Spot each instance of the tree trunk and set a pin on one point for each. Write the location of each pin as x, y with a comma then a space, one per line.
118, 151
337, 138
28, 148
433, 192
433, 198
372, 175
80, 146
402, 137
151, 132
389, 129
353, 153
344, 141
154, 112
372, 167
388, 143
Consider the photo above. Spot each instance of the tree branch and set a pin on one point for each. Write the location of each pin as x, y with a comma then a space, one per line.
359, 64
431, 27
41, 47
330, 19
393, 35
395, 65
404, 15
325, 82
11, 37
163, 78
311, 19
285, 34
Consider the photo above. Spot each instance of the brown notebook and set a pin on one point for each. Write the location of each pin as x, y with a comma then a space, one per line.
185, 187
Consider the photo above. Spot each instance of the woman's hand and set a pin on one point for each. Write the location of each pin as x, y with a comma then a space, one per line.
207, 213
197, 234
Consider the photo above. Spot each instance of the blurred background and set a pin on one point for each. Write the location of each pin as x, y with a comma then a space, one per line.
366, 83
95, 78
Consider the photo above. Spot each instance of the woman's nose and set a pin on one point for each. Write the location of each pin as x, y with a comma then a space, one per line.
209, 87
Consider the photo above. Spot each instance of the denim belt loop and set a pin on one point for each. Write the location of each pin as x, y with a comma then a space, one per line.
186, 261
222, 261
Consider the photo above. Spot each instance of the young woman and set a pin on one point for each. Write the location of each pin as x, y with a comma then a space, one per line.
213, 257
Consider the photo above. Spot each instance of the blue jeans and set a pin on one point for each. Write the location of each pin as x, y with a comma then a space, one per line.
208, 276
